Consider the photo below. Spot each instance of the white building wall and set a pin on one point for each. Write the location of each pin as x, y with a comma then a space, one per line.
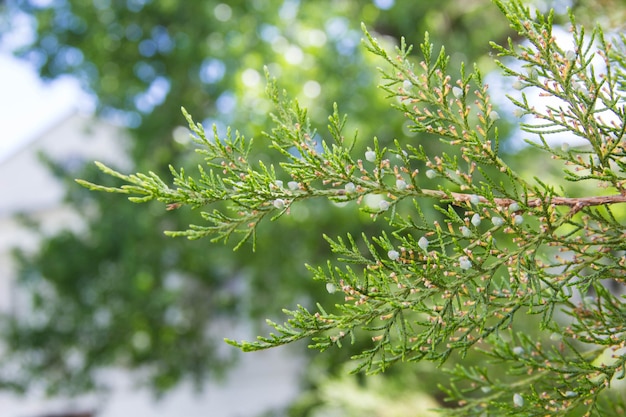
26, 185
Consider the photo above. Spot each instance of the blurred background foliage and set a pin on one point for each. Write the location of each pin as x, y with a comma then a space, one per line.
122, 294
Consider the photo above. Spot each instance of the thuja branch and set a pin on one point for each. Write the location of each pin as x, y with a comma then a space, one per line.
440, 280
460, 199
574, 202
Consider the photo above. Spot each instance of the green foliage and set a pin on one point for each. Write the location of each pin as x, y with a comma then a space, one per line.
396, 395
208, 60
498, 251
199, 52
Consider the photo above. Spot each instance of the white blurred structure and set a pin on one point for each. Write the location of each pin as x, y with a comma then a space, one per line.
260, 382
28, 187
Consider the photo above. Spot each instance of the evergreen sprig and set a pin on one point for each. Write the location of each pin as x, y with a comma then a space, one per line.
498, 252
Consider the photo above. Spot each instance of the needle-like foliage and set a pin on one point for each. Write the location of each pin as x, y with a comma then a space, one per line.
474, 253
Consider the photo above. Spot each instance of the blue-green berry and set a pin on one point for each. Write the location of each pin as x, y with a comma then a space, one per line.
401, 185
518, 350
465, 263
394, 255
497, 221
279, 203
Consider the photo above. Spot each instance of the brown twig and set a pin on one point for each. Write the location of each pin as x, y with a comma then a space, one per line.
574, 202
